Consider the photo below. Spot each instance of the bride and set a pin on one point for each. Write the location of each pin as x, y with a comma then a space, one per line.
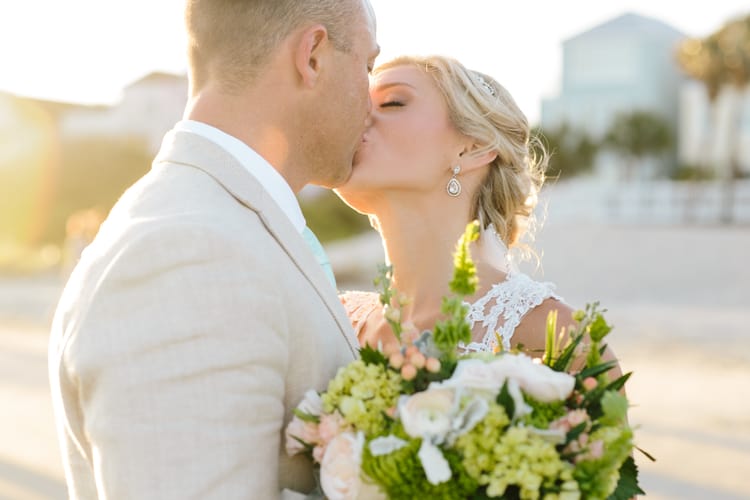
446, 145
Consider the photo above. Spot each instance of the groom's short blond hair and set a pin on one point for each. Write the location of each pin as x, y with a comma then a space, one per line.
233, 39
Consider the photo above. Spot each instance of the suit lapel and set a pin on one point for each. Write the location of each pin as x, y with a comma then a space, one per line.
195, 151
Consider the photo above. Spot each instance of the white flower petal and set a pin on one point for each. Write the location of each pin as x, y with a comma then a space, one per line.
435, 465
470, 416
385, 445
521, 408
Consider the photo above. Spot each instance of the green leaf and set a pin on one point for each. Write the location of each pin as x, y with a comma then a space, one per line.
627, 485
562, 363
576, 431
597, 370
505, 400
372, 356
465, 279
599, 328
619, 383
550, 348
614, 406
306, 417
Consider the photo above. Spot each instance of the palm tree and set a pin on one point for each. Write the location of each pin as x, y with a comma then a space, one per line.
722, 62
637, 135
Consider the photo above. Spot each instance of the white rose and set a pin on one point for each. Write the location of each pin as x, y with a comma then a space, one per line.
340, 467
535, 379
473, 374
428, 413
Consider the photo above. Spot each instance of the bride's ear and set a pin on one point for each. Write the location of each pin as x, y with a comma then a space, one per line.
473, 156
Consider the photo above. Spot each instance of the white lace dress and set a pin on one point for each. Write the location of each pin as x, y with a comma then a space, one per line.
499, 311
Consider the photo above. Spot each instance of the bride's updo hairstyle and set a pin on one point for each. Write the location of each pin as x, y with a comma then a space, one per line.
479, 107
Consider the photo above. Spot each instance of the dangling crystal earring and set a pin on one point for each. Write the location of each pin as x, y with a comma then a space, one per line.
454, 187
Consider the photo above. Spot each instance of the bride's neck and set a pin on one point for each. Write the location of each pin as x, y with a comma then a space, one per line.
420, 245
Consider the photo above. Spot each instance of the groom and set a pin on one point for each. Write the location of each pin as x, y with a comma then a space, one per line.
197, 319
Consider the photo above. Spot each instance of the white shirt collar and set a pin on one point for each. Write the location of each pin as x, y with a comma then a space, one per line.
269, 177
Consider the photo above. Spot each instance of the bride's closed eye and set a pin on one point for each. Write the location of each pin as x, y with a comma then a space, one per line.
391, 104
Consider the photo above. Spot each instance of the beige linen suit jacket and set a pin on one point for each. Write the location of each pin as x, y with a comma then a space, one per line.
187, 334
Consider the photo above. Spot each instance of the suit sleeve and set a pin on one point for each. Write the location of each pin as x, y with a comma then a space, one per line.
180, 365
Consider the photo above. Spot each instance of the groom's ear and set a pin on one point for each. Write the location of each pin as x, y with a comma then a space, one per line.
309, 52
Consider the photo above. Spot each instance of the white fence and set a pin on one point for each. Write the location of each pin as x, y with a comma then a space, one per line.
651, 202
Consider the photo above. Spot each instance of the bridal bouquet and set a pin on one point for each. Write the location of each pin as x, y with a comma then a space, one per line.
423, 421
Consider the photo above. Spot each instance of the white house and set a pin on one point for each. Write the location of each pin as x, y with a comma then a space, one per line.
623, 65
149, 107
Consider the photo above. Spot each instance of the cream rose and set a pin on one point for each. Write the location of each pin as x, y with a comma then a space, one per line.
427, 413
340, 467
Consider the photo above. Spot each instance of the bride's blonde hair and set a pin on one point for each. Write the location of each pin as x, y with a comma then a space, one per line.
481, 108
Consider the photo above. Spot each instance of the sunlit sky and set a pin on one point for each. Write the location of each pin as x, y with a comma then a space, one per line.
86, 51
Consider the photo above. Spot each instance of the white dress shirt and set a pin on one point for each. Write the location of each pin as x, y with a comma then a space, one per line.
269, 177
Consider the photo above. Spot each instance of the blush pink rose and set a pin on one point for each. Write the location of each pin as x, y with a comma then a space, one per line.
301, 430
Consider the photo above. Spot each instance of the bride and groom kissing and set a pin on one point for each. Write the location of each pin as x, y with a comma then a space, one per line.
199, 316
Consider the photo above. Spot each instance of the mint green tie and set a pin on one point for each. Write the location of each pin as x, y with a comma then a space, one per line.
320, 254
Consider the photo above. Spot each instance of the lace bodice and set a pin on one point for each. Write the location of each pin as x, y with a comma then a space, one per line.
500, 310
503, 307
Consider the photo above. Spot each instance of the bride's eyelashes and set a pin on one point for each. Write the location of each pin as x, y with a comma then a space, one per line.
391, 104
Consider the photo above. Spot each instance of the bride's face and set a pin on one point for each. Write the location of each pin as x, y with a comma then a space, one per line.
410, 145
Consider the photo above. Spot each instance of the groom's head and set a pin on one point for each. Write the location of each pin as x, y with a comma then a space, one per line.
306, 61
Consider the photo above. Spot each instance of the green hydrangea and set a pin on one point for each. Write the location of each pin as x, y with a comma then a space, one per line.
476, 446
501, 457
401, 476
362, 393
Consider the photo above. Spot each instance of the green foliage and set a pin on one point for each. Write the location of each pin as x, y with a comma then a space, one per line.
571, 150
598, 478
639, 134
627, 485
692, 173
465, 280
454, 329
384, 281
449, 332
543, 413
330, 218
401, 475
614, 407
372, 356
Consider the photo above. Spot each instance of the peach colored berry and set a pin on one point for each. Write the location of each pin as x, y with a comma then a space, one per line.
411, 351
432, 365
418, 360
589, 383
408, 372
396, 360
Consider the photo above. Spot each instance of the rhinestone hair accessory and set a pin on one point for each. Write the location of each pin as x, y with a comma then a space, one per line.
486, 86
